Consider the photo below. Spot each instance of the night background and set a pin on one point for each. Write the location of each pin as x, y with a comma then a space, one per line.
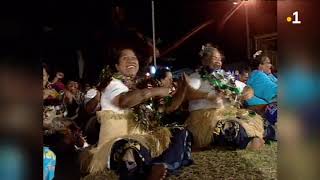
95, 27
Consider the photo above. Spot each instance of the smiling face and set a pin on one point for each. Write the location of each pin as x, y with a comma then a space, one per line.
128, 64
265, 65
213, 60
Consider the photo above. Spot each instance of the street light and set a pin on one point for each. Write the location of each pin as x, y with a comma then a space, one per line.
247, 26
153, 35
247, 30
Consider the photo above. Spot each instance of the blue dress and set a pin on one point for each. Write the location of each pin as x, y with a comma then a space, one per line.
49, 163
265, 88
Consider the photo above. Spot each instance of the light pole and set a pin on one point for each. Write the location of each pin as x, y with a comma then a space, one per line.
247, 30
237, 4
153, 35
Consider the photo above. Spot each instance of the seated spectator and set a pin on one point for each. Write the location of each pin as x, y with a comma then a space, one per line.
73, 99
65, 140
265, 89
49, 94
244, 75
91, 106
92, 100
57, 83
214, 116
262, 81
127, 137
49, 163
87, 87
236, 74
163, 77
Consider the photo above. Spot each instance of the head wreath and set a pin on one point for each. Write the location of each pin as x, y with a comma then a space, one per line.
258, 53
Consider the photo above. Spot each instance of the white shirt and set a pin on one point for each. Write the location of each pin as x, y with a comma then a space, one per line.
197, 83
91, 93
240, 85
115, 88
204, 86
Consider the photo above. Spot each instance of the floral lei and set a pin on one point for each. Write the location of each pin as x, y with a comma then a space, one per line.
147, 115
222, 82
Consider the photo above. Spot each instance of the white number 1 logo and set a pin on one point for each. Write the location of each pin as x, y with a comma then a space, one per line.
296, 18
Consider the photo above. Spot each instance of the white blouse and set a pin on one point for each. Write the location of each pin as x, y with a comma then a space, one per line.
91, 93
115, 88
197, 83
204, 86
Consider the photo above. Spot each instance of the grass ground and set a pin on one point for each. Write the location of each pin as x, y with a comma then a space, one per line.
221, 164
227, 165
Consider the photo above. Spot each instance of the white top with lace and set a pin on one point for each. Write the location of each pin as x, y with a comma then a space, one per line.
115, 88
197, 83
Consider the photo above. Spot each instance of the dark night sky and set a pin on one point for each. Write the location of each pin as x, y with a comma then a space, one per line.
88, 25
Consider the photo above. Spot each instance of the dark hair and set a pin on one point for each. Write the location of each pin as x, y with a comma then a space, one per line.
116, 53
105, 77
161, 73
244, 70
107, 72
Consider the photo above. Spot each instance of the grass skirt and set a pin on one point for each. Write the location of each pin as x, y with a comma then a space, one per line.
202, 123
116, 127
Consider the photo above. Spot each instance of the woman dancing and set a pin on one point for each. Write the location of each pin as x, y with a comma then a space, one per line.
214, 106
130, 141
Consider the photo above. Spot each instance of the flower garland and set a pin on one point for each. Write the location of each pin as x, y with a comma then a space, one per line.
147, 115
220, 81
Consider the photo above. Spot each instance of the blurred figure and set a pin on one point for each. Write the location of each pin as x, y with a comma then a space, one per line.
57, 83
52, 100
49, 164
87, 87
165, 78
236, 74
91, 126
48, 91
65, 141
244, 76
73, 99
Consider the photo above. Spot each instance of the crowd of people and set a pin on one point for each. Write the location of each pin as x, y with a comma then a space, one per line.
146, 127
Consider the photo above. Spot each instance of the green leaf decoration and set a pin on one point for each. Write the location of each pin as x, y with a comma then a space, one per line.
220, 82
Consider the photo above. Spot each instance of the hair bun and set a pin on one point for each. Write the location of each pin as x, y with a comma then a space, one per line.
205, 49
258, 53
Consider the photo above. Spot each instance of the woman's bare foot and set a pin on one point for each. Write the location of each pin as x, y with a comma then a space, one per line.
158, 172
255, 144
